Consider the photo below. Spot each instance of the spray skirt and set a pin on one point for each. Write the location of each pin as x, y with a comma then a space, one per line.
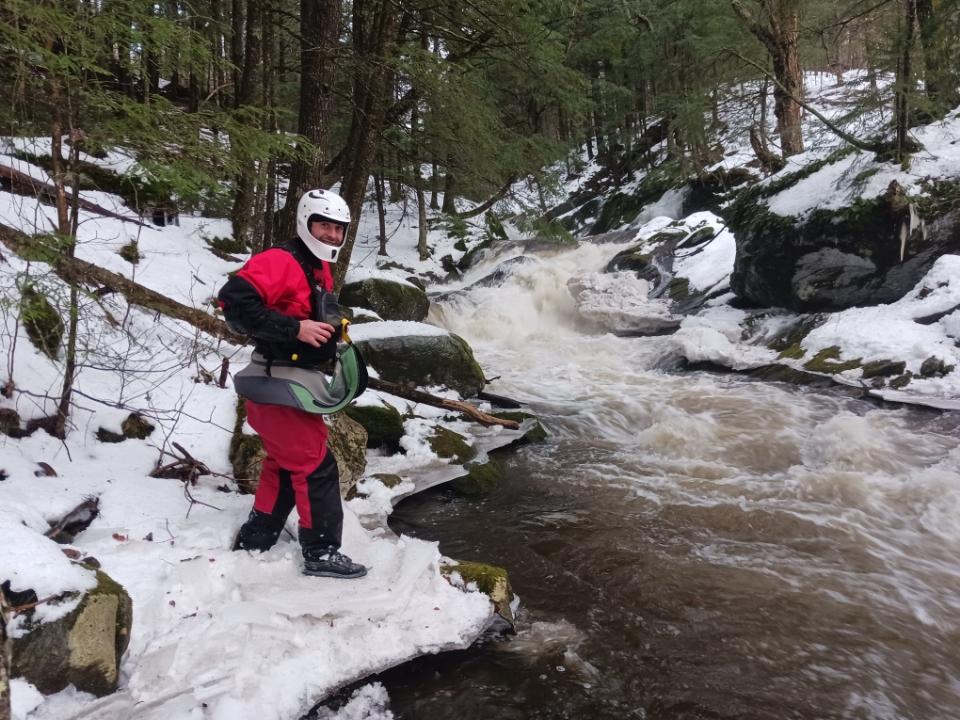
275, 382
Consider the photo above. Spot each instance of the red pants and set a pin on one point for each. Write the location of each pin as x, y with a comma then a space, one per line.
297, 471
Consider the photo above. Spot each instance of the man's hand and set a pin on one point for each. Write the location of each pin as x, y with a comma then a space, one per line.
315, 333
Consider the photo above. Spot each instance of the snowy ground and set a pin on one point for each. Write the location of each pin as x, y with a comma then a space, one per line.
250, 637
238, 635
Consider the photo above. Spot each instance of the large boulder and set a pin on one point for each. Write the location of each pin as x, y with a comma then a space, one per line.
870, 253
390, 299
421, 360
383, 423
348, 442
83, 648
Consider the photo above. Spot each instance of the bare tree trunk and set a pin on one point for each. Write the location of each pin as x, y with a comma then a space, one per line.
780, 34
940, 74
4, 662
376, 26
381, 213
905, 77
244, 199
319, 30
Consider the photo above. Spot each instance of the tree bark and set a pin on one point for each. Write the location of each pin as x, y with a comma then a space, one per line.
379, 189
319, 32
940, 74
905, 77
376, 25
4, 662
780, 34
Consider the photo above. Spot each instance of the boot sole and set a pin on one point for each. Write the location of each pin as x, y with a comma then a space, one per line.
327, 573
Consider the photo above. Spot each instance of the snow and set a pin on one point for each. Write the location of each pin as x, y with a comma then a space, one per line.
393, 328
219, 634
246, 636
359, 274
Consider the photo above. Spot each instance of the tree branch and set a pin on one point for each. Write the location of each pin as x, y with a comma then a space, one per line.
836, 130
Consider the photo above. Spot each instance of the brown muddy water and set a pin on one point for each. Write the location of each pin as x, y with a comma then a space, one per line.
758, 552
692, 546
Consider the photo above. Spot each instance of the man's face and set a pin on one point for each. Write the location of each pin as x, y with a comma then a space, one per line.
327, 232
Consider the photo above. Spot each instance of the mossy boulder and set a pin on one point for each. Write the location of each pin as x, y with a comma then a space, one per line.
131, 253
828, 361
41, 321
348, 442
871, 252
246, 453
9, 422
134, 426
451, 446
491, 580
83, 648
480, 478
422, 360
388, 480
934, 367
389, 299
383, 423
883, 368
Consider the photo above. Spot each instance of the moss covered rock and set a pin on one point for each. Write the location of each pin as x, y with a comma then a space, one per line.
828, 361
491, 580
383, 423
41, 321
83, 648
390, 300
450, 445
348, 442
420, 360
246, 453
873, 251
480, 478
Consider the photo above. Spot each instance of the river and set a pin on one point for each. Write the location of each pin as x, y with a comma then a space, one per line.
692, 545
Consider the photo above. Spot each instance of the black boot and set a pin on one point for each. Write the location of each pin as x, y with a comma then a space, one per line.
260, 532
330, 562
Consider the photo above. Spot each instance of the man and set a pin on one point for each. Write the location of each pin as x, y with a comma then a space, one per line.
281, 298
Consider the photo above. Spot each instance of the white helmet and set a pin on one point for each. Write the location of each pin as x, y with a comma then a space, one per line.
321, 205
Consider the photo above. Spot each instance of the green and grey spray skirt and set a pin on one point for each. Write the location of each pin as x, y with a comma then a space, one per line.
275, 382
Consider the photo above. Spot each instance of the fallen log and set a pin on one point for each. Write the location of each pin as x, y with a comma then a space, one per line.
23, 184
80, 271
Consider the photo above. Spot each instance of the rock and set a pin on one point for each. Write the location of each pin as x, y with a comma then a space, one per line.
9, 422
83, 648
383, 423
934, 367
872, 252
883, 368
492, 581
246, 453
621, 303
348, 442
136, 427
387, 479
824, 362
420, 360
108, 436
389, 299
450, 445
480, 479
41, 321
